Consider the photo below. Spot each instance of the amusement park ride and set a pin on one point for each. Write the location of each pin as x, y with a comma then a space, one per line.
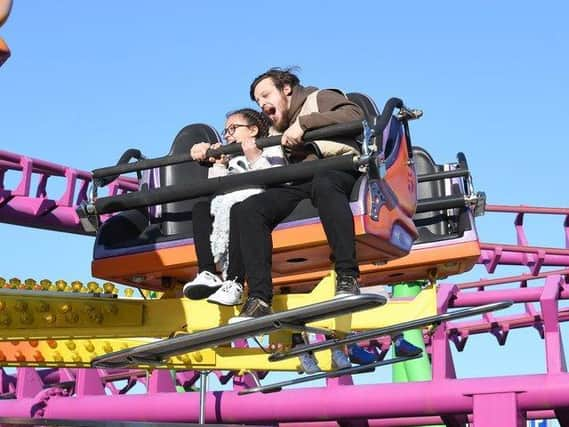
79, 350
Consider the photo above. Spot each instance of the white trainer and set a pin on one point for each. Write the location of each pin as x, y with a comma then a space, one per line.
308, 363
339, 359
202, 286
230, 293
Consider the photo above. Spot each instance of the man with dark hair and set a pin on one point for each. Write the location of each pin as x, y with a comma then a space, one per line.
294, 109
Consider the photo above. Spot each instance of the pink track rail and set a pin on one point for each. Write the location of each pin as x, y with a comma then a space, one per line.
80, 394
489, 401
522, 253
29, 204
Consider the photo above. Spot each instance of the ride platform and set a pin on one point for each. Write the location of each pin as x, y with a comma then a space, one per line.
67, 329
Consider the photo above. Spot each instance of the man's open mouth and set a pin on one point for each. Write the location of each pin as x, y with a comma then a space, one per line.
270, 111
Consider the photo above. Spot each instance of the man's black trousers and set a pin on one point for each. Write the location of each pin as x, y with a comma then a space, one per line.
253, 220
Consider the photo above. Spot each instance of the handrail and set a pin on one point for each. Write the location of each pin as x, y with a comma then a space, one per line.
337, 130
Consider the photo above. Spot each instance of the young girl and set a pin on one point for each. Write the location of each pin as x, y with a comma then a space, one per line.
211, 218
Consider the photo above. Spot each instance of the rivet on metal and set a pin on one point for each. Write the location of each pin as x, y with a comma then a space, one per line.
61, 285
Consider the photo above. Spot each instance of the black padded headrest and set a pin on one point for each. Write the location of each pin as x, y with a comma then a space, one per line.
365, 103
424, 164
192, 134
177, 216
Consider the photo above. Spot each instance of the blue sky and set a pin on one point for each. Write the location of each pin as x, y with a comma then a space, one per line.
88, 80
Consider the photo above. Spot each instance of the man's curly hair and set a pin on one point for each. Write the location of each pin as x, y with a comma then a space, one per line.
280, 78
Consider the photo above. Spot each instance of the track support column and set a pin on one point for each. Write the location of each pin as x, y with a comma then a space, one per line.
203, 395
497, 409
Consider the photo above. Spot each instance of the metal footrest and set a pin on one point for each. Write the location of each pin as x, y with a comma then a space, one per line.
391, 330
271, 388
296, 318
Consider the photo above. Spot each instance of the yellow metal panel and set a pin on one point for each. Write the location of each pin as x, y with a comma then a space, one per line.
79, 353
29, 314
47, 329
41, 315
397, 311
37, 316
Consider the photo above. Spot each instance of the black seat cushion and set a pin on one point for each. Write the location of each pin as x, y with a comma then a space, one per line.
134, 227
429, 224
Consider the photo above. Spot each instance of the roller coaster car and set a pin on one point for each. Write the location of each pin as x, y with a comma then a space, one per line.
153, 248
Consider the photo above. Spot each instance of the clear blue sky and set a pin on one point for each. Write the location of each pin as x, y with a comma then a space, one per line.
87, 80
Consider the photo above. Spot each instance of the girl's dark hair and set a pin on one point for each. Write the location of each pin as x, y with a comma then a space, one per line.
254, 118
280, 78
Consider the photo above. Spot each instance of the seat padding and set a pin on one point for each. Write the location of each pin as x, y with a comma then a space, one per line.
134, 228
177, 216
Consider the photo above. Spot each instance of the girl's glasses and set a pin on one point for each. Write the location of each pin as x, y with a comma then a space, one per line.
230, 130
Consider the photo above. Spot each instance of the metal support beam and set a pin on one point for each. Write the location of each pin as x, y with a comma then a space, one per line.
497, 409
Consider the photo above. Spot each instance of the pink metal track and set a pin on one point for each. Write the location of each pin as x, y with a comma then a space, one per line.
28, 202
533, 257
100, 395
491, 401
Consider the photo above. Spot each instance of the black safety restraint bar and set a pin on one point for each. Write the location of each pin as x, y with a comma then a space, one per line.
339, 130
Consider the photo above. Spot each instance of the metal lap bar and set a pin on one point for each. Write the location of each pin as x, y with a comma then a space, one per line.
443, 175
271, 388
296, 327
391, 330
141, 360
164, 349
440, 203
339, 129
131, 359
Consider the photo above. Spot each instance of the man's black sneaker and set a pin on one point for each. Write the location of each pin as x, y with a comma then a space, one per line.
253, 307
347, 285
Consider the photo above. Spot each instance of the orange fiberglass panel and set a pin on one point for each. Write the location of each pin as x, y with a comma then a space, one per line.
394, 229
295, 250
300, 268
442, 261
403, 180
